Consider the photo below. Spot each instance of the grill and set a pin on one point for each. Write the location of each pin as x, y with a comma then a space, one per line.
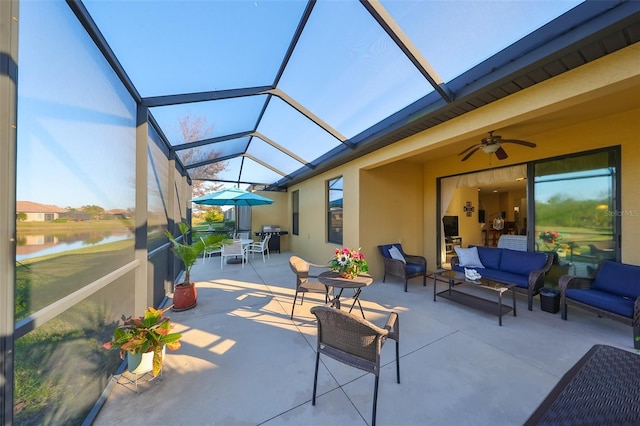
270, 229
275, 231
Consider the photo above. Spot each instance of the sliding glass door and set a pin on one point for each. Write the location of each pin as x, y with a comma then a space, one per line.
576, 210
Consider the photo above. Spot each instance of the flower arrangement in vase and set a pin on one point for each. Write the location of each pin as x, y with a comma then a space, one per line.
550, 237
348, 263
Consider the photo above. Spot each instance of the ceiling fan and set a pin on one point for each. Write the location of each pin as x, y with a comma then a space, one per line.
492, 144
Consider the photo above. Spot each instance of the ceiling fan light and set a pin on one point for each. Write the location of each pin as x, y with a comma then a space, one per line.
490, 149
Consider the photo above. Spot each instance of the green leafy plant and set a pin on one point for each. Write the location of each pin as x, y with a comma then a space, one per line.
148, 333
189, 253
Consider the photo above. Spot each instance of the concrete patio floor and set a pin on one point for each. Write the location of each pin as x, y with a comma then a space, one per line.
244, 362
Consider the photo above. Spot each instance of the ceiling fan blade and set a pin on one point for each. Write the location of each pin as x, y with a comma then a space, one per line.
471, 153
519, 142
501, 153
471, 147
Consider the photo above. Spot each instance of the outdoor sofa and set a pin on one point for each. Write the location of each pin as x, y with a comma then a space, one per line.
613, 292
524, 269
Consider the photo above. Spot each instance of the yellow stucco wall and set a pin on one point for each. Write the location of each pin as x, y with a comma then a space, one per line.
311, 243
273, 214
390, 194
392, 209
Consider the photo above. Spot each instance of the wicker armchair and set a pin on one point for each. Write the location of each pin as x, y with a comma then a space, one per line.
301, 267
613, 292
356, 342
413, 266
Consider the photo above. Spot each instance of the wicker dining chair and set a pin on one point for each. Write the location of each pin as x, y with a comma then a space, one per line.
356, 342
305, 282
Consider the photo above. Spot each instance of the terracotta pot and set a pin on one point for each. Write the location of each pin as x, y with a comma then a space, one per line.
184, 297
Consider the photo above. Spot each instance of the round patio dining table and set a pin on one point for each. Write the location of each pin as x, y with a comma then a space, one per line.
331, 278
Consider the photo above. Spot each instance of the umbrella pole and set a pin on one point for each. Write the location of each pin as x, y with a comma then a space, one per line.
234, 260
235, 208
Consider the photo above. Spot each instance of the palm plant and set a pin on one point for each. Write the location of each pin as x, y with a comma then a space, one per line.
189, 253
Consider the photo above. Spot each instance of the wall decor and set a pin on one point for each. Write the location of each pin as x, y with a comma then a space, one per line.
468, 208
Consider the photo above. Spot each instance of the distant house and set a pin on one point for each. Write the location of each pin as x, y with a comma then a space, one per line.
37, 212
117, 214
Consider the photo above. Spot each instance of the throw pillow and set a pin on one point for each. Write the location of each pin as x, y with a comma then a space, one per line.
469, 257
395, 254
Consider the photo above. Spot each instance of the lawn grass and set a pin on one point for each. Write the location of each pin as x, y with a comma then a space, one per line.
60, 367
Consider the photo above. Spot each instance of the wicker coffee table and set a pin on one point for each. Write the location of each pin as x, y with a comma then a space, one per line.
457, 279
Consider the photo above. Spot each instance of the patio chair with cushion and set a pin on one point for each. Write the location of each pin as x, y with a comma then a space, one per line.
402, 265
613, 292
301, 267
356, 342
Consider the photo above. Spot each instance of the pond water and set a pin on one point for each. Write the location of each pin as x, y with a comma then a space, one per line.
38, 244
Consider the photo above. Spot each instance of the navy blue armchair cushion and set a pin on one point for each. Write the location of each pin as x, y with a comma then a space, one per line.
610, 302
384, 250
619, 279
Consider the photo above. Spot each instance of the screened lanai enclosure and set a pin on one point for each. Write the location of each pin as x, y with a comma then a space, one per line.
111, 110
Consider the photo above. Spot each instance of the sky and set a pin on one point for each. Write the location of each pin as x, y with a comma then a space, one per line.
77, 123
593, 185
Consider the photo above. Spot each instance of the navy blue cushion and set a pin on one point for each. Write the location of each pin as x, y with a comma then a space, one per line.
521, 262
384, 249
489, 256
414, 268
619, 279
603, 300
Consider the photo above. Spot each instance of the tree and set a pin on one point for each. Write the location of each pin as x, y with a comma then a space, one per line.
214, 214
94, 211
192, 129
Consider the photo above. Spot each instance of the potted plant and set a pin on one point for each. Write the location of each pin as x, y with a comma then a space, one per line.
144, 340
185, 295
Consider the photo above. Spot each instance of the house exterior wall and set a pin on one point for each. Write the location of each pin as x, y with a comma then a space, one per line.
278, 213
382, 188
40, 217
312, 243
